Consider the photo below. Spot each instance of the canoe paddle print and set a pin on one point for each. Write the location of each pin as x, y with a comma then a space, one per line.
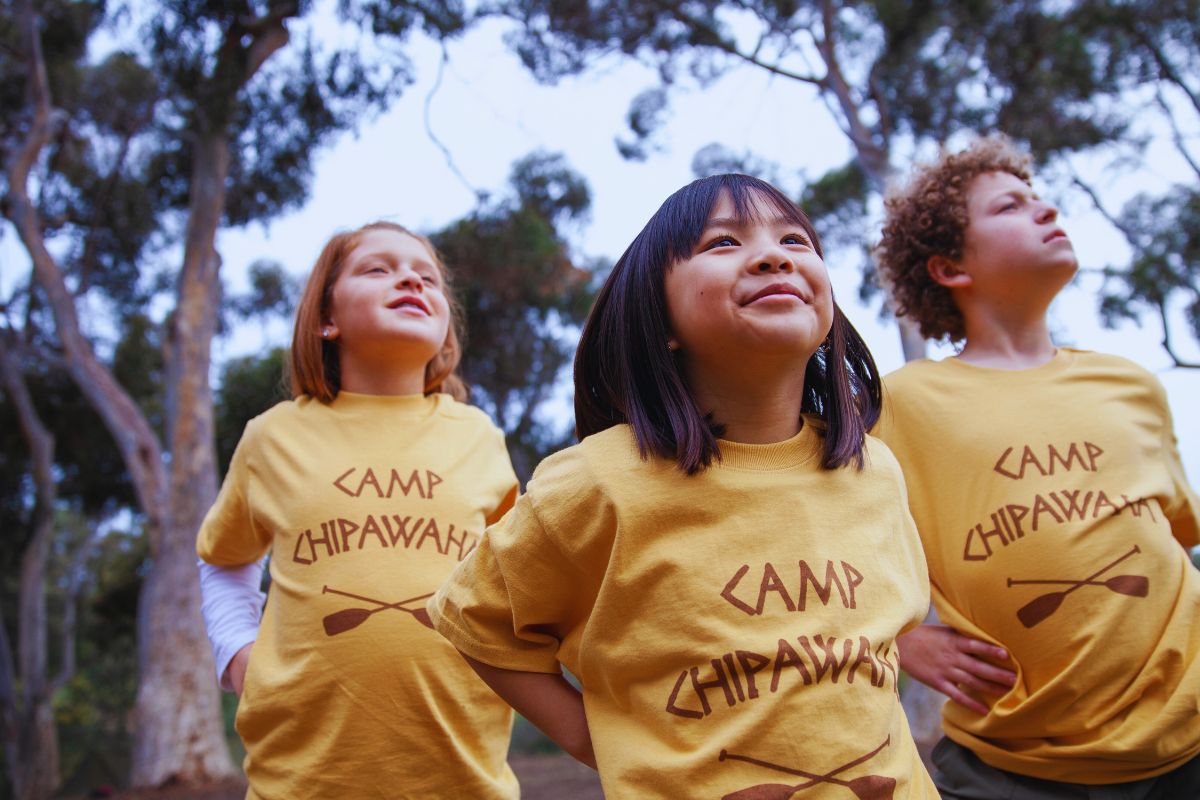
350, 618
867, 787
1043, 606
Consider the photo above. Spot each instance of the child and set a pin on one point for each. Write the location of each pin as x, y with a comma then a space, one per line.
725, 559
1051, 502
368, 488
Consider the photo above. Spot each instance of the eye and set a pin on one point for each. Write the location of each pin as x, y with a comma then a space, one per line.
723, 240
795, 239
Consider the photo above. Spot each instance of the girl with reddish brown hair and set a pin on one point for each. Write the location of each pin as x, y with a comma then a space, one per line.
725, 559
367, 488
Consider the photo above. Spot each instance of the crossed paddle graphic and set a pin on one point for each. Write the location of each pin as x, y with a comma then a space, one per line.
867, 787
350, 618
1043, 606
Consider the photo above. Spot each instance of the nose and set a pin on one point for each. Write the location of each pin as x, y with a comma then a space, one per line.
1048, 212
773, 259
407, 278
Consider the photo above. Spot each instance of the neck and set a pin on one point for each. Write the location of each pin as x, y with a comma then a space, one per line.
1006, 340
366, 376
759, 409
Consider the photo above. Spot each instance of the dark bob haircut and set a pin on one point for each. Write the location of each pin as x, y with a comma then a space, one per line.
624, 372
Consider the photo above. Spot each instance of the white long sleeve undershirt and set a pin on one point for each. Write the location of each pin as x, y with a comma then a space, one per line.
232, 605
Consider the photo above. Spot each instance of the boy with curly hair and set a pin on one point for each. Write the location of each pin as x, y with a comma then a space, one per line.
1049, 494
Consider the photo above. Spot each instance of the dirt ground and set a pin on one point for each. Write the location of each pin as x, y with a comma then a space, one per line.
543, 777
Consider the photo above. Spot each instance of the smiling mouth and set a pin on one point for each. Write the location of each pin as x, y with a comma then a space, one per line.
410, 302
777, 290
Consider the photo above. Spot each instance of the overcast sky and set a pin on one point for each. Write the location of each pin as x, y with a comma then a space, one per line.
487, 112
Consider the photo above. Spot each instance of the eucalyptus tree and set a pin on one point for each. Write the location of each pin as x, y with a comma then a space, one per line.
118, 174
525, 295
894, 76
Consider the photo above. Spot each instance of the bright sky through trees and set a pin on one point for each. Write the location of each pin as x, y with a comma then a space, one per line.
487, 112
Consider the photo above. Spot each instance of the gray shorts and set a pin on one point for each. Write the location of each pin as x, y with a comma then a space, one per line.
960, 775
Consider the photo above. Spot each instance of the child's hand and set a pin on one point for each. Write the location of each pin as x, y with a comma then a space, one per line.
943, 659
236, 671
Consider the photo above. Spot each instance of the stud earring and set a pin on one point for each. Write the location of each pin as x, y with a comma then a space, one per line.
325, 333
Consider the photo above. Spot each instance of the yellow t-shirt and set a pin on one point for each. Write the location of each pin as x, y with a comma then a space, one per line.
1052, 505
366, 504
732, 629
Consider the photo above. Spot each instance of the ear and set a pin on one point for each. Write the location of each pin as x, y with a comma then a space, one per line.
673, 344
329, 331
946, 273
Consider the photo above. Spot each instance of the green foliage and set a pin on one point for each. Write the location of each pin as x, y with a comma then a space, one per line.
249, 386
1057, 76
1165, 235
273, 293
92, 710
523, 295
91, 475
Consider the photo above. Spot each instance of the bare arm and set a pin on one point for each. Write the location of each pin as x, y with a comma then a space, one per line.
943, 659
548, 701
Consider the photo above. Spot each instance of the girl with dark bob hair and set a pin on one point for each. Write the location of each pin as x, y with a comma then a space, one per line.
727, 594
623, 374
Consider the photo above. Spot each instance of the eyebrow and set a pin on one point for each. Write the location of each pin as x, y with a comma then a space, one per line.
1017, 193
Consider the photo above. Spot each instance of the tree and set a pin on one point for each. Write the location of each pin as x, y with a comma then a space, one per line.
523, 296
890, 74
25, 692
202, 125
1151, 50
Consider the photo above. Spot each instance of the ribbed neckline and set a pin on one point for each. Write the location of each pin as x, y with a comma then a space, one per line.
410, 406
1062, 359
804, 446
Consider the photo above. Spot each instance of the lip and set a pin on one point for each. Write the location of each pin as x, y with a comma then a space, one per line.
1057, 233
410, 298
775, 289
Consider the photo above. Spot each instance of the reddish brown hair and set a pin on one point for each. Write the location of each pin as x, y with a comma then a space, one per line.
314, 365
928, 217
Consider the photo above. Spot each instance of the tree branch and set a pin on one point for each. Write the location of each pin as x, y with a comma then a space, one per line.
1165, 67
122, 417
1161, 305
31, 601
871, 155
1086, 188
1176, 134
723, 44
270, 34
76, 572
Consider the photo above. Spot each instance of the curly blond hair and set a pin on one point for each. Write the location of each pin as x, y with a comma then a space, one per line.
927, 217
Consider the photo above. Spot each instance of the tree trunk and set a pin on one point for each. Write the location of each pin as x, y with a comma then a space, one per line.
179, 732
33, 763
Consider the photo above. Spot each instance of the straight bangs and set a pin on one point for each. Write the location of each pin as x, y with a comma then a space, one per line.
685, 214
626, 374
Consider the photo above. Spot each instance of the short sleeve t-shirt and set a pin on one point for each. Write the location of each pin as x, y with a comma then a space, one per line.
365, 504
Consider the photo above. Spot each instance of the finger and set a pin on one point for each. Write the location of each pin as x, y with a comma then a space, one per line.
965, 700
980, 648
982, 686
987, 672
